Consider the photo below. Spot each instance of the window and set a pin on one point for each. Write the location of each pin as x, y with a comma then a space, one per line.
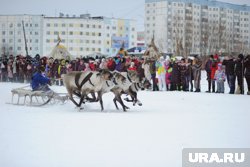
87, 25
36, 25
55, 25
93, 26
56, 33
48, 33
3, 32
3, 40
63, 25
93, 41
48, 25
19, 48
71, 33
19, 40
87, 33
30, 32
47, 40
99, 34
81, 33
99, 26
36, 33
81, 25
11, 32
36, 41
93, 34
11, 25
70, 25
10, 48
19, 25
63, 32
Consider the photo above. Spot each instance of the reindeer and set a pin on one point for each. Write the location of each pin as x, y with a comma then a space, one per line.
83, 83
134, 88
131, 77
120, 83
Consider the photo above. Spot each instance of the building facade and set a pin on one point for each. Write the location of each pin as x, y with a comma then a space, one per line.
12, 34
201, 27
82, 35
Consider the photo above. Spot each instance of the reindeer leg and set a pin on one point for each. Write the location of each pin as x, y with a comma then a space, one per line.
93, 99
121, 102
114, 100
12, 98
81, 101
100, 100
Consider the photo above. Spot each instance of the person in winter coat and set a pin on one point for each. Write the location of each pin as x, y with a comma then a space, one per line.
214, 67
176, 75
132, 67
197, 73
111, 64
220, 78
239, 70
183, 70
10, 72
168, 74
161, 71
190, 76
208, 68
104, 64
62, 69
230, 73
247, 72
152, 70
81, 66
40, 81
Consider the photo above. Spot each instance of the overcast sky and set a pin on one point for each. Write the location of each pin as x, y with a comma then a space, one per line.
129, 9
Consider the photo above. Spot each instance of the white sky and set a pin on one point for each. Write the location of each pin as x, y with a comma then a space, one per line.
130, 9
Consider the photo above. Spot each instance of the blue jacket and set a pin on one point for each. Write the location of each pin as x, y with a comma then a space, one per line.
38, 79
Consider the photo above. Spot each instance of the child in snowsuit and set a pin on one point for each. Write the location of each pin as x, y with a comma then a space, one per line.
220, 78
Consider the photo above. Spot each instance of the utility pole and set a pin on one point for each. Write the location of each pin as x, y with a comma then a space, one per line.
26, 48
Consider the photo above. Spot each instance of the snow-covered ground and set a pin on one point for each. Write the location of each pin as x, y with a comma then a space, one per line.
149, 136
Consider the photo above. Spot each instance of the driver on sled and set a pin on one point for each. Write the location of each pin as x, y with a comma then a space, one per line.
40, 82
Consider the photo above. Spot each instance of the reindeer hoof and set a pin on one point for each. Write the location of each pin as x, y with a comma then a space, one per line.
79, 109
140, 104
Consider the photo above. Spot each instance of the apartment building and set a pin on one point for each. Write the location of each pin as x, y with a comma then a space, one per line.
12, 34
198, 26
81, 35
